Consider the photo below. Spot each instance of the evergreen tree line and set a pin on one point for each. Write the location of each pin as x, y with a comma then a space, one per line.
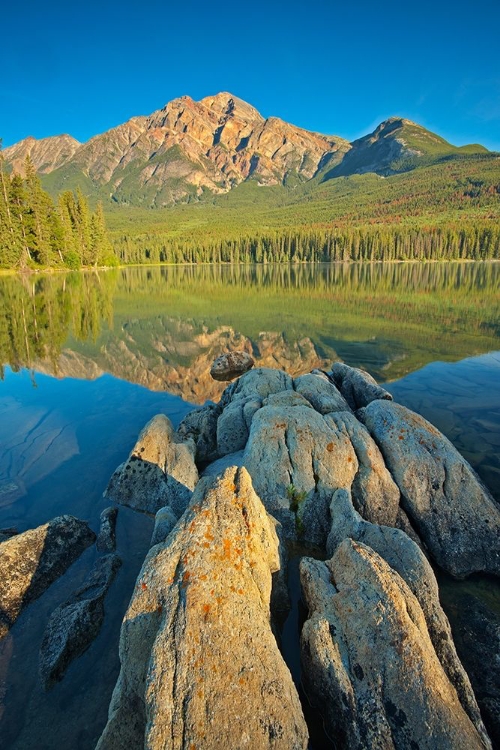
40, 312
479, 240
36, 233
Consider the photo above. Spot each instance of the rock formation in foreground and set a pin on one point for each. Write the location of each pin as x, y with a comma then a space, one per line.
369, 662
159, 471
200, 665
339, 466
31, 561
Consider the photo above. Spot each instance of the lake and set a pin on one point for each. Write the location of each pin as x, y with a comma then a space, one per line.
88, 358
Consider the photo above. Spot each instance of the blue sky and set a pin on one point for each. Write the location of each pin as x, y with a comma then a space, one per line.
334, 67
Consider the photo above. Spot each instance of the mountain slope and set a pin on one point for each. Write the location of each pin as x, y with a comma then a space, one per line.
190, 150
46, 154
397, 145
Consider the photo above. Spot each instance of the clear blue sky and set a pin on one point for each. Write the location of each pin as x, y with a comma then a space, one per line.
334, 67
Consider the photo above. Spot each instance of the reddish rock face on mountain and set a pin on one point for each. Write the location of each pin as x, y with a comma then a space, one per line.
188, 148
185, 148
46, 154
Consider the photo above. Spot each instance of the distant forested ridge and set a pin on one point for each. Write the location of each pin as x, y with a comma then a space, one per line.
445, 211
34, 232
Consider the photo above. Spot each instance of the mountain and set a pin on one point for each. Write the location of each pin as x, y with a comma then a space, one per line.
189, 149
46, 154
397, 145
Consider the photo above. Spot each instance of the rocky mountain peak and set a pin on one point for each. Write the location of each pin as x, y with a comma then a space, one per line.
190, 147
46, 154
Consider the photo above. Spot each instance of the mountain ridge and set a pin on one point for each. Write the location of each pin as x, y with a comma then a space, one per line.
188, 149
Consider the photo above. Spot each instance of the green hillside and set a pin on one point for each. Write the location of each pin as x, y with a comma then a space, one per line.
451, 208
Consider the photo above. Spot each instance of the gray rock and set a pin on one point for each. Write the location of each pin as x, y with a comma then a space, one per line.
368, 662
374, 492
241, 400
287, 398
200, 666
296, 460
217, 467
75, 624
231, 365
159, 471
260, 383
106, 539
357, 386
407, 559
200, 425
165, 521
233, 425
321, 393
31, 561
476, 629
452, 511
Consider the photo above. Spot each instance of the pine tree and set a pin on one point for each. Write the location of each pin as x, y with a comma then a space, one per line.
39, 209
101, 249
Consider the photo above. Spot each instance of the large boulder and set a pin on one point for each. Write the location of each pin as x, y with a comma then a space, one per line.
447, 503
406, 558
241, 400
106, 539
159, 471
356, 386
200, 425
369, 663
231, 365
296, 460
31, 561
200, 665
73, 625
320, 392
374, 492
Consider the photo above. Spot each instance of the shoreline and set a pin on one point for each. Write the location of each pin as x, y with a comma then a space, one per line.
56, 270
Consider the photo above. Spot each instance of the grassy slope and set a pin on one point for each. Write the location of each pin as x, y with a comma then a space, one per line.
451, 191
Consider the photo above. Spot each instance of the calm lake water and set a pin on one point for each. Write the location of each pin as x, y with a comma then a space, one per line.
88, 358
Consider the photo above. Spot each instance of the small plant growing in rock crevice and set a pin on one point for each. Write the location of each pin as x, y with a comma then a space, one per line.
296, 499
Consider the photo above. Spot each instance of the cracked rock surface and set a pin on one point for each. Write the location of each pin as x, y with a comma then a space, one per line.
199, 663
369, 661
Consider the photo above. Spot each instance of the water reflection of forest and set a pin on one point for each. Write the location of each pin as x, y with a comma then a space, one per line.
162, 326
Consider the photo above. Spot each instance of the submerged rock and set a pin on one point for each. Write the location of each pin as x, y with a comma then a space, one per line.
200, 665
159, 471
31, 561
7, 533
368, 662
357, 386
73, 625
106, 539
476, 629
231, 365
453, 512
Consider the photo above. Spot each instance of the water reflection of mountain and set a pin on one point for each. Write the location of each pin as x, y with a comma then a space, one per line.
162, 327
